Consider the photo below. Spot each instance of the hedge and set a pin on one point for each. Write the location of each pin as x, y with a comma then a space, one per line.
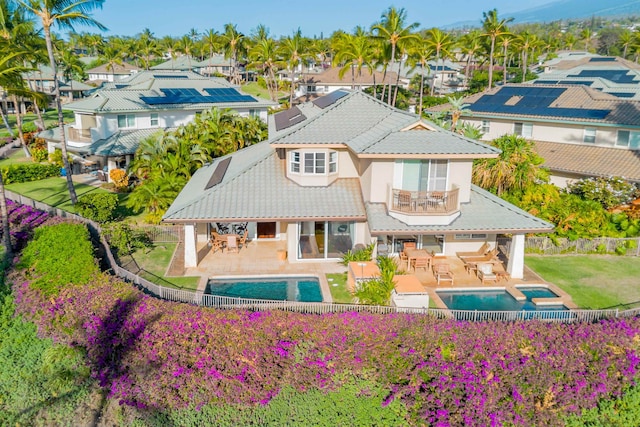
29, 172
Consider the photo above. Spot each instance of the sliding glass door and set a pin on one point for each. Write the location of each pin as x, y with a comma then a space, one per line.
324, 239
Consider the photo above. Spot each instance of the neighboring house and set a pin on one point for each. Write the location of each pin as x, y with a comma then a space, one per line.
42, 81
579, 131
179, 63
445, 76
110, 124
609, 74
347, 169
106, 73
327, 81
214, 65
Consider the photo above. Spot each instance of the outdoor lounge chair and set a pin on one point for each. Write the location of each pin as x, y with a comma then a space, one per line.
480, 252
442, 273
216, 244
486, 274
421, 263
471, 263
243, 240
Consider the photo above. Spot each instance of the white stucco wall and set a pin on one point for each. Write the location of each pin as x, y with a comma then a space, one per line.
460, 175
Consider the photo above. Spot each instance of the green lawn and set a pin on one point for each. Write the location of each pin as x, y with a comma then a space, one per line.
255, 89
593, 281
338, 286
153, 264
50, 119
14, 158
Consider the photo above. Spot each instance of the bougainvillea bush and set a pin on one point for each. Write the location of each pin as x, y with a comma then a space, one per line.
23, 220
154, 354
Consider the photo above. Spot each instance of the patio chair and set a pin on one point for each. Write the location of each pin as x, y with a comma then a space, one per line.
442, 273
480, 252
408, 245
216, 244
404, 259
243, 240
421, 263
405, 202
486, 274
232, 243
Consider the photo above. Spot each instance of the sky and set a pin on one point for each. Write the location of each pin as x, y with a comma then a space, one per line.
177, 17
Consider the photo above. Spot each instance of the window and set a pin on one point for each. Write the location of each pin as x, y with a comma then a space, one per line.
589, 135
254, 113
295, 162
424, 175
314, 163
333, 162
154, 119
126, 120
629, 139
466, 236
523, 129
485, 126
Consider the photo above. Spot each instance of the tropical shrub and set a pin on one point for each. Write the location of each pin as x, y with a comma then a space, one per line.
99, 207
26, 172
22, 220
56, 158
364, 254
620, 412
39, 155
610, 192
57, 256
123, 239
119, 178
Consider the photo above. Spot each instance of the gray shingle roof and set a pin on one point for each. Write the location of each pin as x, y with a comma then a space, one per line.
255, 187
484, 213
368, 126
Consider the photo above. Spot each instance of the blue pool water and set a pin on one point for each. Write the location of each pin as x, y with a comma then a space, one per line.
498, 300
304, 289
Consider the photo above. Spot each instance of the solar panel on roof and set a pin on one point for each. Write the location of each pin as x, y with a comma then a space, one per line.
170, 76
603, 59
193, 96
218, 173
287, 118
622, 94
324, 101
617, 76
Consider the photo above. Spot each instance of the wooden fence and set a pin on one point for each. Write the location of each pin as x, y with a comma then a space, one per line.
221, 302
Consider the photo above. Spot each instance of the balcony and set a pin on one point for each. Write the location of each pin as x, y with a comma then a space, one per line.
424, 202
80, 135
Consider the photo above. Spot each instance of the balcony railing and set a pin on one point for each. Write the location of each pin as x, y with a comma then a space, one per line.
425, 202
80, 135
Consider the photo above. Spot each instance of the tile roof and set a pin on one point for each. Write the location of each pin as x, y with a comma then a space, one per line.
183, 62
568, 103
485, 213
590, 160
124, 68
122, 142
368, 126
331, 76
127, 95
255, 187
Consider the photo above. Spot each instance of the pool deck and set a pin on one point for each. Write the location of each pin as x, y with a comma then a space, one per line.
263, 258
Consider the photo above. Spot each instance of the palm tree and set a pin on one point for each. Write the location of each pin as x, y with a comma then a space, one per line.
111, 56
456, 108
64, 13
626, 40
470, 45
505, 41
186, 45
294, 52
493, 28
569, 40
419, 54
526, 42
393, 31
233, 45
517, 167
440, 43
263, 56
71, 66
352, 53
211, 40
147, 46
586, 35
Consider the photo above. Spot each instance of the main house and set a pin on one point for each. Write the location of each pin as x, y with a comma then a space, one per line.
579, 131
347, 169
110, 124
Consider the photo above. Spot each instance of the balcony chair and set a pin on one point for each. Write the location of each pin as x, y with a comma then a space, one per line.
442, 273
243, 240
405, 202
232, 243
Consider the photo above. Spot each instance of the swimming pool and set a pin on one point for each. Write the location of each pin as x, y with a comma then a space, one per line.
303, 289
499, 300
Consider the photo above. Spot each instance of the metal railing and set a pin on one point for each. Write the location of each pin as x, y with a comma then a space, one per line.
222, 302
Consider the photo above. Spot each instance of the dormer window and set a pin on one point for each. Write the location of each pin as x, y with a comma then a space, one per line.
313, 162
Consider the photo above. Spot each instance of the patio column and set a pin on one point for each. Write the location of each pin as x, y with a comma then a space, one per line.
190, 250
516, 257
